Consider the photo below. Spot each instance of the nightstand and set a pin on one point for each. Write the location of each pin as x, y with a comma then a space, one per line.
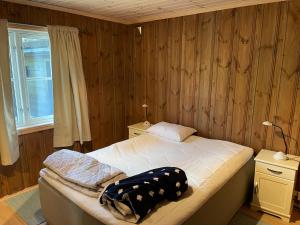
274, 184
137, 129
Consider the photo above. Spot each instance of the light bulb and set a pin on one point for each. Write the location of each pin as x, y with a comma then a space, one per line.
267, 123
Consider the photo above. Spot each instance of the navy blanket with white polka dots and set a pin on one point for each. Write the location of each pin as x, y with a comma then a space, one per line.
131, 199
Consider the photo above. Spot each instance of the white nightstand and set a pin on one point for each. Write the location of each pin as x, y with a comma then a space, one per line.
137, 129
274, 184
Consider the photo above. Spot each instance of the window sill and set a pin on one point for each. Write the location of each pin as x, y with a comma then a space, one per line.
34, 128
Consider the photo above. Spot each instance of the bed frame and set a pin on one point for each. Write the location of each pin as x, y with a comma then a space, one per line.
218, 210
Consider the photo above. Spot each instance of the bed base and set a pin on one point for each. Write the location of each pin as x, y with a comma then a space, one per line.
218, 210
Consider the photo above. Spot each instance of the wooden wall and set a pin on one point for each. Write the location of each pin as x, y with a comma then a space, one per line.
105, 62
223, 73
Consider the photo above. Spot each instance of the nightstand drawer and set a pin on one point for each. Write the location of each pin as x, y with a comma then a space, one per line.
137, 129
275, 171
134, 133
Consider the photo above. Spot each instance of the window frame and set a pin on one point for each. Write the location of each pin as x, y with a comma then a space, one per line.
26, 123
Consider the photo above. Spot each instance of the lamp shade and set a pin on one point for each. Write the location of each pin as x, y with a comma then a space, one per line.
267, 123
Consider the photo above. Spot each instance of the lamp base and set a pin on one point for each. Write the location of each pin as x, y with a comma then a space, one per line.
280, 156
147, 124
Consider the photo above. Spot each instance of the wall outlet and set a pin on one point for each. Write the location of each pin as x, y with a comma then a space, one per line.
296, 196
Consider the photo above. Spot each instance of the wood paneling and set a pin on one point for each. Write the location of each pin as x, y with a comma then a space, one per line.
137, 11
105, 55
226, 72
221, 72
173, 70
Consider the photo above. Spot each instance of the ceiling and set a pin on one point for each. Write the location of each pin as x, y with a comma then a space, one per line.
138, 11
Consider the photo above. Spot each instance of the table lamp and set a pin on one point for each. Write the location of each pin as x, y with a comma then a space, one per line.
278, 155
146, 123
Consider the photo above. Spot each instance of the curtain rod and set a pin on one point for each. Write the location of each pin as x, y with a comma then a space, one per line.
27, 27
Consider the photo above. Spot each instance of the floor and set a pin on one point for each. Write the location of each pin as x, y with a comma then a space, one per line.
272, 220
8, 217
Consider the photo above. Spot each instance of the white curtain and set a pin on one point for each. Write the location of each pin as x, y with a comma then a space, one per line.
9, 147
71, 122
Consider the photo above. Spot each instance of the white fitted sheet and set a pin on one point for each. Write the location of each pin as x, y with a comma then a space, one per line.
208, 164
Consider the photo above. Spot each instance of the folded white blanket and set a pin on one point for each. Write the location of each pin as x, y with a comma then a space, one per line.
48, 174
80, 169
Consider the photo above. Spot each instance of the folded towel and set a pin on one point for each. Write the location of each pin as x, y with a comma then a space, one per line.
80, 168
131, 199
48, 174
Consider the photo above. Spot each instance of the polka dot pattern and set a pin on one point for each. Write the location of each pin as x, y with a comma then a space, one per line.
142, 192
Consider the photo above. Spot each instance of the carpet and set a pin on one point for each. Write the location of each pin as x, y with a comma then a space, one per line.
27, 205
242, 219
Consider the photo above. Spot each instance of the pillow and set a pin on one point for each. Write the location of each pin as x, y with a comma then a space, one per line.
171, 131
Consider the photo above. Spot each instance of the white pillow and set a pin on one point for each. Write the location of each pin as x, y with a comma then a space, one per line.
171, 131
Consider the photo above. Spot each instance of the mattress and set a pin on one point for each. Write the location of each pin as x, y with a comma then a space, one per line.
208, 163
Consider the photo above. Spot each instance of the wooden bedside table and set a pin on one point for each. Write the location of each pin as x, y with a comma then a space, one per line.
137, 129
274, 184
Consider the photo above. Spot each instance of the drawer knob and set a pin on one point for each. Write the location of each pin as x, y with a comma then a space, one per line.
136, 133
256, 188
274, 171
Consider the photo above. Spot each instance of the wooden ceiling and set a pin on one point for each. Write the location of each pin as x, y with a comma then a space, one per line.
139, 11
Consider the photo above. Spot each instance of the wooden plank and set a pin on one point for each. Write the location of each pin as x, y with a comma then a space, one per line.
130, 12
3, 182
3, 10
38, 16
161, 72
242, 70
18, 14
2, 191
47, 148
205, 50
149, 71
92, 78
216, 6
139, 84
174, 70
267, 56
289, 80
118, 71
277, 74
254, 73
188, 70
57, 18
32, 157
12, 176
8, 216
107, 82
232, 75
128, 44
214, 76
225, 19
294, 140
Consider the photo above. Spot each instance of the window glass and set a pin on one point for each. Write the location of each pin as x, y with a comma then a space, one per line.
31, 77
40, 97
36, 54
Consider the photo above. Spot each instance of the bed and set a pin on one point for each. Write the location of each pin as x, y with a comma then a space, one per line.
220, 174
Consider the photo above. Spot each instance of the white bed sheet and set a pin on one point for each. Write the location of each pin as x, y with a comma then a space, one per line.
208, 164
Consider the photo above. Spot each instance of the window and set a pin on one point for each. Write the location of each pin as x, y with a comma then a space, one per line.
31, 77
